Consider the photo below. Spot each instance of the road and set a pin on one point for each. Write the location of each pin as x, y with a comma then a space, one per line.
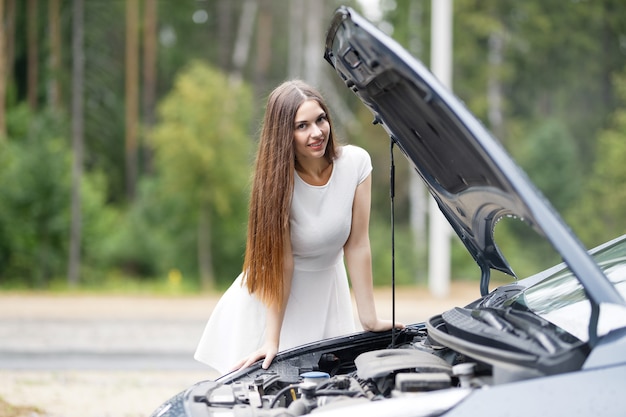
121, 344
122, 356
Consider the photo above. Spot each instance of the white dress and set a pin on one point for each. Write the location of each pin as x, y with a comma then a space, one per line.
319, 304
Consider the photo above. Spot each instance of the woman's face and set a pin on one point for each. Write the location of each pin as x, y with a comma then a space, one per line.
311, 131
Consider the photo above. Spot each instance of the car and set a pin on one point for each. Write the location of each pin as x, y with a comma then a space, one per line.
551, 344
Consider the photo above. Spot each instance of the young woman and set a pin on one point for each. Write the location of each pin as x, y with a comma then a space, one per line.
309, 210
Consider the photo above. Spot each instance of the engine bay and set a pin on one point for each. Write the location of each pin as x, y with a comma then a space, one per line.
437, 363
346, 376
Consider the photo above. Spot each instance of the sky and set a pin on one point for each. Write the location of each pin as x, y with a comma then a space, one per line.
371, 9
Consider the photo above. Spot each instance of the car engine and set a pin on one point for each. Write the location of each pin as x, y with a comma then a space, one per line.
340, 378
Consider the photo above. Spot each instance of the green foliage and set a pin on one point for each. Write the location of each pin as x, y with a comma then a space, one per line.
526, 251
601, 214
35, 169
201, 144
138, 244
202, 157
558, 86
98, 223
104, 79
406, 263
147, 242
34, 190
562, 57
550, 158
202, 153
475, 22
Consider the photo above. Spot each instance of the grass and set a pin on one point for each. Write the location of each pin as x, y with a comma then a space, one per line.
114, 284
10, 410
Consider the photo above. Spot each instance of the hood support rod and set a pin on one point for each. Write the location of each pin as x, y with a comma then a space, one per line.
392, 192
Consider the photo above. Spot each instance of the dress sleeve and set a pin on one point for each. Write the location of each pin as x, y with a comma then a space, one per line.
362, 161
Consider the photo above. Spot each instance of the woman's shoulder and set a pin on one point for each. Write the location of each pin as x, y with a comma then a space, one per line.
353, 151
356, 159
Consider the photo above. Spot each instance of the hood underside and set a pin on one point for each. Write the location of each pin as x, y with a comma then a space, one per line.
471, 177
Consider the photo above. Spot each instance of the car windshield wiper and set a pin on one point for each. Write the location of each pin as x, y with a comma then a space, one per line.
494, 320
520, 324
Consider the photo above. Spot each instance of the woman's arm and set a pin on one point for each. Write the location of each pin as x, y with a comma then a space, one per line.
358, 257
275, 315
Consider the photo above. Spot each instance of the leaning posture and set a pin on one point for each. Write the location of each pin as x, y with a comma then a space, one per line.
308, 222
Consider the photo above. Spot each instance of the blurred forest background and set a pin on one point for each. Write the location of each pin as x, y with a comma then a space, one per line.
128, 128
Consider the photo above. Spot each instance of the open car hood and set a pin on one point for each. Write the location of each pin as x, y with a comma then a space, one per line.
472, 178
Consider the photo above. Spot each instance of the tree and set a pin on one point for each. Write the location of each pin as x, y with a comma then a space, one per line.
149, 61
3, 72
54, 30
601, 214
224, 31
34, 189
296, 38
132, 94
149, 70
33, 53
9, 41
241, 49
263, 44
78, 68
562, 60
201, 147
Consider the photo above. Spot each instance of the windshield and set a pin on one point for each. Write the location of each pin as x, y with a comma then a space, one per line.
561, 299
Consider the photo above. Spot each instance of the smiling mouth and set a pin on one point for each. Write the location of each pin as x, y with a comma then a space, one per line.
317, 144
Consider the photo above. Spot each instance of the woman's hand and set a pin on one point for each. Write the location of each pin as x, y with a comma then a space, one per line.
267, 351
381, 325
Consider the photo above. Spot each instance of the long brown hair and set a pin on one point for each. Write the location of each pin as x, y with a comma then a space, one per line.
272, 188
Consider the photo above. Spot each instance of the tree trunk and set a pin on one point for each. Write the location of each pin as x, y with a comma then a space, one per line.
263, 45
241, 50
32, 53
78, 67
149, 61
205, 255
314, 39
9, 42
3, 74
149, 72
54, 27
296, 38
224, 32
132, 95
494, 84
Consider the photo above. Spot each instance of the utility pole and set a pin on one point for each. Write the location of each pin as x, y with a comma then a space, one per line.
439, 230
